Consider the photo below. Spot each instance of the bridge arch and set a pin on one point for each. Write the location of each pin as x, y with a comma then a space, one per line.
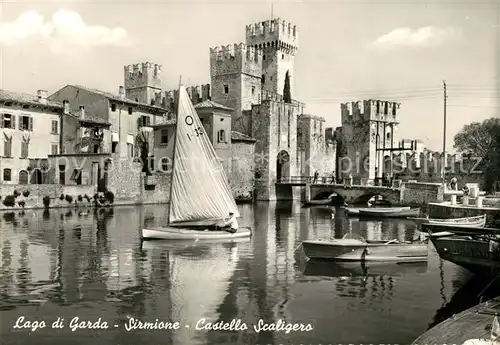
356, 194
282, 165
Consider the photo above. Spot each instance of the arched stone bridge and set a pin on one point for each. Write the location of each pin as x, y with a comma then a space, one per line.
355, 194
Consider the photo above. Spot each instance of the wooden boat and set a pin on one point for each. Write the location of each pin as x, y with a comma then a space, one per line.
359, 249
320, 202
477, 221
355, 211
198, 235
200, 195
394, 213
476, 249
173, 245
477, 325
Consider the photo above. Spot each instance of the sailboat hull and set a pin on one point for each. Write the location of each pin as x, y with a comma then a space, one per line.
187, 234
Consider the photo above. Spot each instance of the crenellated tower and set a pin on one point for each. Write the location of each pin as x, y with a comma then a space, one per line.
235, 75
142, 82
368, 135
278, 40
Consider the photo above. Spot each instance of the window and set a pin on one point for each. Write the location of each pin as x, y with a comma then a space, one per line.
253, 90
221, 136
164, 137
25, 123
113, 107
130, 110
24, 149
164, 164
54, 127
114, 145
263, 57
263, 79
226, 88
130, 149
282, 56
54, 149
7, 174
8, 121
145, 121
76, 176
388, 136
7, 147
62, 174
23, 177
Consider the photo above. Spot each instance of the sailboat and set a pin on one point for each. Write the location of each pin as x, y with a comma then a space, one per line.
200, 196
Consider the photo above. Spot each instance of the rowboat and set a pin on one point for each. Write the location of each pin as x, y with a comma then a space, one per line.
359, 249
355, 211
477, 221
475, 326
318, 202
200, 195
394, 213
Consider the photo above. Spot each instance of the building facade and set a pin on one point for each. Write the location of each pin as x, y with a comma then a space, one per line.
31, 128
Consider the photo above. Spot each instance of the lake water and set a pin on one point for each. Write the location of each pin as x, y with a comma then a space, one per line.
62, 264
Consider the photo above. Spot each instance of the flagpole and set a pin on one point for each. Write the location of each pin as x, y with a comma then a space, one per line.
174, 148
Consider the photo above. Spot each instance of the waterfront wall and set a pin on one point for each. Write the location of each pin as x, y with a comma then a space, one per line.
446, 210
125, 180
161, 192
242, 172
421, 193
38, 191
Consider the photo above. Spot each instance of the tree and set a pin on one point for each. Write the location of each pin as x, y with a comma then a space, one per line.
478, 138
287, 96
481, 140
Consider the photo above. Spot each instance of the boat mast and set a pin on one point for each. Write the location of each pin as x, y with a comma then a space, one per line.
175, 145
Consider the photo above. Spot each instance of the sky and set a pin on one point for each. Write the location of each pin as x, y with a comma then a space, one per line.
348, 50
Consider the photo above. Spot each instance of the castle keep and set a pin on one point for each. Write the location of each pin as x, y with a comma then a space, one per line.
249, 77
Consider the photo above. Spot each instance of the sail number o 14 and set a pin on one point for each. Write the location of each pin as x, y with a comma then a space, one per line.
197, 131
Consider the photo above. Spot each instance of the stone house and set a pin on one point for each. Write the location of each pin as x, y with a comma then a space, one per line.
31, 128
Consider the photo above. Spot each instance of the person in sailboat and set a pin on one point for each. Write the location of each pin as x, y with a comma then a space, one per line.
232, 224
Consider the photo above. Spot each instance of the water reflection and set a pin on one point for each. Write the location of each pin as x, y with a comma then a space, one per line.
93, 265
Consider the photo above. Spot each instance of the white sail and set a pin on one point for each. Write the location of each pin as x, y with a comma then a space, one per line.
200, 188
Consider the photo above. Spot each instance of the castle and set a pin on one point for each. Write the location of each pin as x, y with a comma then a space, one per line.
250, 79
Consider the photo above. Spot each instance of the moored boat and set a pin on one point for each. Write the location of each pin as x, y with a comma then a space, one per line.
189, 234
359, 249
200, 195
476, 249
477, 221
328, 201
477, 325
394, 213
355, 211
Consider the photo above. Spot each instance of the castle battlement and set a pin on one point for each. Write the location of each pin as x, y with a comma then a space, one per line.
142, 74
197, 94
276, 33
236, 51
375, 110
235, 58
273, 96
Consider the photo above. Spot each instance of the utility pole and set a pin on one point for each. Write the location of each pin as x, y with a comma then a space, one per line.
445, 96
